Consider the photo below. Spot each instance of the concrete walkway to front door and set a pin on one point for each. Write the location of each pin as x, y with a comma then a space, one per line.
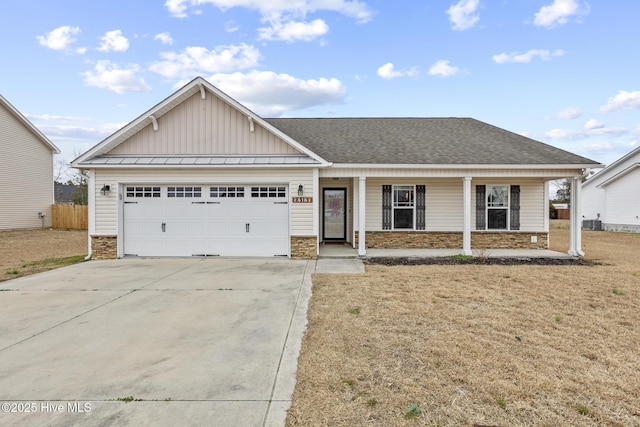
346, 251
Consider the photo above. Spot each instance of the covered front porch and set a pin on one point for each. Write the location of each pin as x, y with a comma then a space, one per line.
444, 215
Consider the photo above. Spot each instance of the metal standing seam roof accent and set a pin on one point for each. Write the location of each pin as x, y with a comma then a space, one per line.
428, 141
200, 160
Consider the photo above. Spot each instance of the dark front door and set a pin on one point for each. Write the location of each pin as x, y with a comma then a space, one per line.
334, 214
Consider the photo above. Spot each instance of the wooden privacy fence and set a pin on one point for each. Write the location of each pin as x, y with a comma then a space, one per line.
70, 216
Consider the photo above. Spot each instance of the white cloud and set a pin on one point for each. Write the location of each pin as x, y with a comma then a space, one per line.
114, 41
107, 75
292, 31
197, 60
587, 132
527, 57
558, 13
593, 124
622, 100
443, 69
569, 113
388, 72
60, 38
164, 38
270, 94
231, 26
273, 8
463, 14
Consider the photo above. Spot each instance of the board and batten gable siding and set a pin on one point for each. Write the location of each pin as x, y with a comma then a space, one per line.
623, 200
26, 175
106, 206
203, 126
444, 202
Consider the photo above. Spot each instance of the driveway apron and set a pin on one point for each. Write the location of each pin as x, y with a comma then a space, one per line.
153, 341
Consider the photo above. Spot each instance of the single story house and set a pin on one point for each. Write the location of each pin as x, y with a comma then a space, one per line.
612, 196
199, 174
26, 171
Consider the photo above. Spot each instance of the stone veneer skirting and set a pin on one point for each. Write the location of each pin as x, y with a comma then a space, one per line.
453, 240
304, 247
104, 247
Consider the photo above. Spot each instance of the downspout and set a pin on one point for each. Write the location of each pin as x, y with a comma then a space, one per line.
575, 243
91, 194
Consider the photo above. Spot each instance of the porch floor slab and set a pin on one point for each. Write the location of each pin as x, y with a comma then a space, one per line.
346, 251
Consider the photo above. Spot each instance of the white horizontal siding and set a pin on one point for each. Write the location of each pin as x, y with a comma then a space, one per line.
26, 175
445, 203
532, 202
106, 207
593, 202
623, 200
209, 126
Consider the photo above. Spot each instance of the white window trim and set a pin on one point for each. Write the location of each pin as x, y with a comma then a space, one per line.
394, 207
508, 207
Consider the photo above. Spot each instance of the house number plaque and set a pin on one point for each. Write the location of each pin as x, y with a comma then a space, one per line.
298, 199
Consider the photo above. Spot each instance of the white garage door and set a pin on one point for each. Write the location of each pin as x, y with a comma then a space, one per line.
211, 220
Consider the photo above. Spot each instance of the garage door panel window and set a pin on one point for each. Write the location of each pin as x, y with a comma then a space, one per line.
269, 192
230, 192
186, 192
136, 192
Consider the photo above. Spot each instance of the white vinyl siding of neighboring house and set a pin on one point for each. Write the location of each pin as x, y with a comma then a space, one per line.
622, 200
593, 203
210, 127
26, 175
106, 206
614, 194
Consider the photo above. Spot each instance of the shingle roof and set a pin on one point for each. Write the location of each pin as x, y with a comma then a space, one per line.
432, 141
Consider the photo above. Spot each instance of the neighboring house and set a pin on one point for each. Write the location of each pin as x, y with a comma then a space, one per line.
64, 193
200, 174
26, 171
612, 196
562, 210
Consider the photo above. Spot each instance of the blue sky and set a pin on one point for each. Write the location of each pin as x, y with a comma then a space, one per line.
565, 72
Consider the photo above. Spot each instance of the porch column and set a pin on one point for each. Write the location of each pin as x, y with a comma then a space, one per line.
575, 237
466, 233
362, 181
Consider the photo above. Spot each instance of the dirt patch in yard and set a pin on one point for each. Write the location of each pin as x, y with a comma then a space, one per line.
464, 345
24, 252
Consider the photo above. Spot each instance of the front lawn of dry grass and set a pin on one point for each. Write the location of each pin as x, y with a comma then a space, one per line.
24, 252
477, 344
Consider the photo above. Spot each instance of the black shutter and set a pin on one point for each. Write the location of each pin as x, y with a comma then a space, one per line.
481, 207
515, 207
420, 207
386, 207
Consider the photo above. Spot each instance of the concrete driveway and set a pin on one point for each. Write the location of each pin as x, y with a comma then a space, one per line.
192, 341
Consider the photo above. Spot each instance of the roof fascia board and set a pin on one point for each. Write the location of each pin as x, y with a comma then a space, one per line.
464, 166
13, 110
193, 86
618, 175
611, 167
187, 167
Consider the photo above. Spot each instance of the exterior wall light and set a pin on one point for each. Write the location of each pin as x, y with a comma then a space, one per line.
300, 190
105, 190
